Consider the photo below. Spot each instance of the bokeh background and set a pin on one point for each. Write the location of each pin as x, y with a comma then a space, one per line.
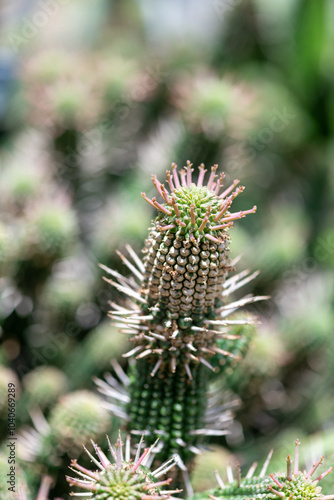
95, 96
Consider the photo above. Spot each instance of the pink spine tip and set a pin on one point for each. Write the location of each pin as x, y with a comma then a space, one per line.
324, 474
150, 202
192, 214
175, 175
165, 195
212, 176
183, 177
280, 485
170, 181
229, 189
223, 209
221, 226
189, 172
165, 228
219, 183
201, 175
275, 492
314, 467
205, 220
213, 238
239, 215
176, 208
160, 207
180, 223
296, 468
235, 193
139, 461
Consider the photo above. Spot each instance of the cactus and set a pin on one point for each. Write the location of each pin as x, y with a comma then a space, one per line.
124, 479
295, 484
178, 295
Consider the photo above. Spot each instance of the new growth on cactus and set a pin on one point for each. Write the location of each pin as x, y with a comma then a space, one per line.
177, 310
294, 485
123, 479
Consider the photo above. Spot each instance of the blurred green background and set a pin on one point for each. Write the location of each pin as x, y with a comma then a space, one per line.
95, 96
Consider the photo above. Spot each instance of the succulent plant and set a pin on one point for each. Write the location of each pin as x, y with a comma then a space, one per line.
124, 478
178, 295
44, 385
295, 484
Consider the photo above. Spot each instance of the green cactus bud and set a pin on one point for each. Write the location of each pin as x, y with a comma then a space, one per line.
294, 484
179, 295
77, 418
122, 479
44, 385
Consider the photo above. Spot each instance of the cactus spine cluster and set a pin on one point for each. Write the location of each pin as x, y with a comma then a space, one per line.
122, 479
294, 485
178, 308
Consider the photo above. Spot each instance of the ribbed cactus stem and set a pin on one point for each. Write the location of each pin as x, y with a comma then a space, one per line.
297, 485
179, 307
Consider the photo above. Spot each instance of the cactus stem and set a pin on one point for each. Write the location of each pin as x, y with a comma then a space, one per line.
160, 207
314, 467
280, 485
175, 175
324, 474
189, 171
229, 189
201, 175
170, 181
296, 468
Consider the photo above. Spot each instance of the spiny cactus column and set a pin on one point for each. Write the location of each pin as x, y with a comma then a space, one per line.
295, 484
178, 308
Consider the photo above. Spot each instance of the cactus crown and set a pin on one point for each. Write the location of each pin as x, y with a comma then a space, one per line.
195, 211
122, 479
